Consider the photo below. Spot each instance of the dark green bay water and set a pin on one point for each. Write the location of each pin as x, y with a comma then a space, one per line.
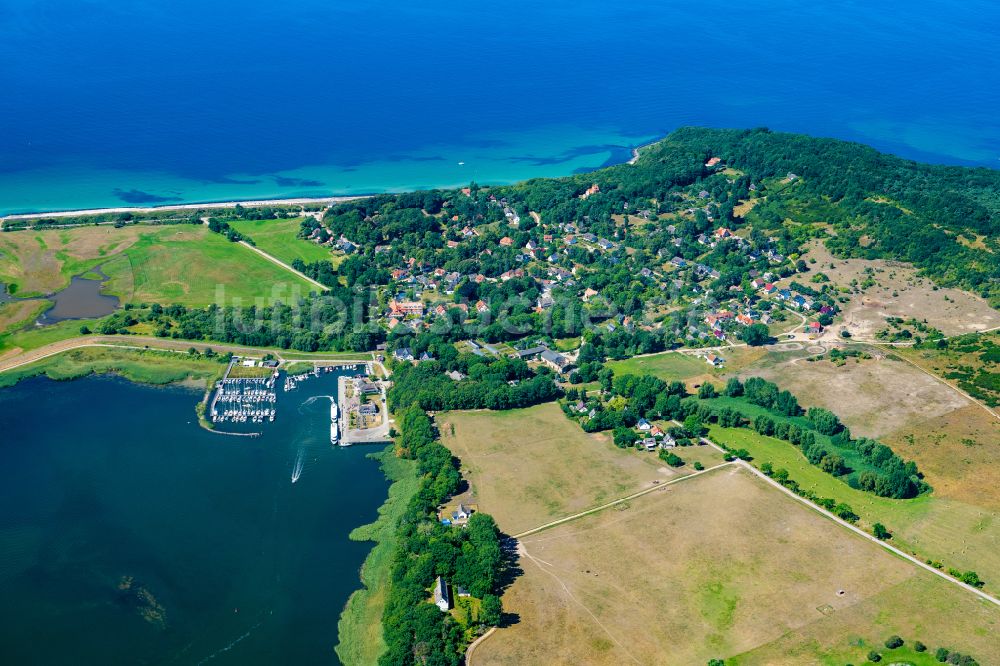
106, 484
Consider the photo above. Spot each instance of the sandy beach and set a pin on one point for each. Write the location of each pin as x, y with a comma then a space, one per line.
194, 206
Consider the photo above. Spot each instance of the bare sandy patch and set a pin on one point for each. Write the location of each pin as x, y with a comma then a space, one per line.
898, 292
873, 397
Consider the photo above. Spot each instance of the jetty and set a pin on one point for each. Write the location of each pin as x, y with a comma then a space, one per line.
246, 396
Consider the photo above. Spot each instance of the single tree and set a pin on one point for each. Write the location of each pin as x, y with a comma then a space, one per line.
893, 642
491, 611
880, 532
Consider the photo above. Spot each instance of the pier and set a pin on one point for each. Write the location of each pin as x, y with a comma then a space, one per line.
245, 393
364, 418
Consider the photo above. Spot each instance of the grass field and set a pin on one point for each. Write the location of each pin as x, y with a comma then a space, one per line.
958, 450
719, 566
41, 262
191, 266
166, 264
360, 626
16, 314
529, 466
970, 362
279, 238
144, 366
958, 534
35, 337
688, 368
668, 366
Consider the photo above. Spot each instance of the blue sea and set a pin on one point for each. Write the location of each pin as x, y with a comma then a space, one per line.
108, 103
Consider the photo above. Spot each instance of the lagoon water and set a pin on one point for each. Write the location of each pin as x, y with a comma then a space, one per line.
106, 484
113, 103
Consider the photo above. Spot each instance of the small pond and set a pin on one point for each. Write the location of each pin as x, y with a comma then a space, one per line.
82, 299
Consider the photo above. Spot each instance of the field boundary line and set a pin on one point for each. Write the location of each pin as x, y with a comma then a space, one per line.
948, 384
474, 644
279, 262
857, 530
608, 505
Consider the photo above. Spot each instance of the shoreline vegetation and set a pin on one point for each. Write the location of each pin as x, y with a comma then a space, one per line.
359, 631
142, 366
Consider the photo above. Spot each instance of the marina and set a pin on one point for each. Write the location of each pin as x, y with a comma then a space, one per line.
248, 394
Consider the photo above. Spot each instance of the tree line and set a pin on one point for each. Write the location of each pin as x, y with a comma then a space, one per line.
415, 630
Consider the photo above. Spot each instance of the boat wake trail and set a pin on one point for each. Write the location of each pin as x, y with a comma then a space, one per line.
299, 462
232, 644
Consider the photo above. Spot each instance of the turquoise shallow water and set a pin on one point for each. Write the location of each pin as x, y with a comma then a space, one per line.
101, 479
109, 103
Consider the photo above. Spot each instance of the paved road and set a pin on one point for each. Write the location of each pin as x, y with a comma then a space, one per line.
14, 361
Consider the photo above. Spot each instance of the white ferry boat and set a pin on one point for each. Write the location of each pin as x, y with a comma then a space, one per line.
334, 434
333, 411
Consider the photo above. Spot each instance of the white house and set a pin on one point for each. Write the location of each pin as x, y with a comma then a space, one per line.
441, 596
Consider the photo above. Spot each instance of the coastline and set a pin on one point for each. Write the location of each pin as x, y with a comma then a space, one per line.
276, 201
359, 631
248, 203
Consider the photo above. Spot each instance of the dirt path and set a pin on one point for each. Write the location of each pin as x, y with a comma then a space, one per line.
857, 530
278, 262
653, 489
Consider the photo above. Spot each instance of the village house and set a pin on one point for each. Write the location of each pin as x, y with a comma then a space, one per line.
590, 191
403, 308
507, 241
801, 302
714, 361
403, 354
712, 161
442, 599
554, 360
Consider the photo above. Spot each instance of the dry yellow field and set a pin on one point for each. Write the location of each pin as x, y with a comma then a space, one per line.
874, 397
529, 466
717, 566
